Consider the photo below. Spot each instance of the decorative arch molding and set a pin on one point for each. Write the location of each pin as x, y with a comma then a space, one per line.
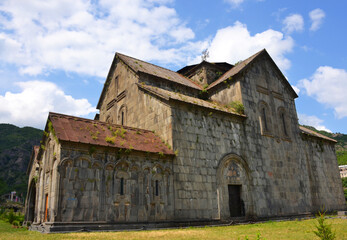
66, 162
122, 114
234, 181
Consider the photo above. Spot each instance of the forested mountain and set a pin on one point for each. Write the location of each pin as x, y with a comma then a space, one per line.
341, 146
15, 150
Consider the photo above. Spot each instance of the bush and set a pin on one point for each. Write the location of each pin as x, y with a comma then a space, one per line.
324, 231
11, 217
238, 107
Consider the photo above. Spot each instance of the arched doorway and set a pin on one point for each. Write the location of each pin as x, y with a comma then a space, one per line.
31, 202
234, 191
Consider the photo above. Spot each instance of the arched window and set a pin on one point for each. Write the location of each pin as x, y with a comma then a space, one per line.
122, 115
264, 118
282, 119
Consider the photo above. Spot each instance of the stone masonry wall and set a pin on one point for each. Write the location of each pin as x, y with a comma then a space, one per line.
107, 185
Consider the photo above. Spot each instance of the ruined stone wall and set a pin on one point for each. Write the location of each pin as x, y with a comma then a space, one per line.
99, 184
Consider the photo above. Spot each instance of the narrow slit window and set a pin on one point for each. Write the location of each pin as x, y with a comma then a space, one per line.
122, 118
156, 188
121, 192
264, 119
284, 124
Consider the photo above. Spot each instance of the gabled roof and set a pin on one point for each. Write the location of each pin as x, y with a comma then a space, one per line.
244, 65
151, 69
81, 130
188, 70
139, 66
315, 134
169, 95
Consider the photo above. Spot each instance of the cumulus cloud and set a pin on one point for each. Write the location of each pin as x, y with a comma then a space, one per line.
82, 36
293, 23
328, 85
234, 3
312, 121
317, 15
226, 47
35, 100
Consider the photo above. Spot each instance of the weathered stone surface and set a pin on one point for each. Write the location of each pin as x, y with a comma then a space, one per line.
261, 156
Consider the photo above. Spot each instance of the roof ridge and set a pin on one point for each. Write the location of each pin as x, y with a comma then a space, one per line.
121, 54
95, 121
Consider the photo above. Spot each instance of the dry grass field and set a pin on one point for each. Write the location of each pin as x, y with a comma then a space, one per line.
268, 230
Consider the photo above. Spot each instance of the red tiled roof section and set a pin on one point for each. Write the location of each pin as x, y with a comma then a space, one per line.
315, 134
145, 67
81, 130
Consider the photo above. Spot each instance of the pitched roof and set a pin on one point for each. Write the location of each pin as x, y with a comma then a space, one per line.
81, 130
188, 70
148, 68
243, 65
315, 134
167, 95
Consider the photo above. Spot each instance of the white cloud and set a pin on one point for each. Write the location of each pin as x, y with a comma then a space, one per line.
317, 15
226, 47
312, 121
234, 3
36, 99
82, 36
293, 23
328, 85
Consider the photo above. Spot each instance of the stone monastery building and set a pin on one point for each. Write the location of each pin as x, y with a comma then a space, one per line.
210, 142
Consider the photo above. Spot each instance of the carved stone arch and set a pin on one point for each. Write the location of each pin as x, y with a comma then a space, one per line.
96, 164
83, 162
234, 182
265, 120
157, 169
122, 115
109, 166
283, 122
66, 162
31, 201
122, 166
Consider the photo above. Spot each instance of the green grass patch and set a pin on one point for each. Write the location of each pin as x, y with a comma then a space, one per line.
269, 230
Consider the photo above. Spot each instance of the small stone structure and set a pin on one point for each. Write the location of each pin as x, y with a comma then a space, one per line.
211, 142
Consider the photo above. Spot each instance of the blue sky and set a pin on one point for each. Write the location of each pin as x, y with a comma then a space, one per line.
54, 55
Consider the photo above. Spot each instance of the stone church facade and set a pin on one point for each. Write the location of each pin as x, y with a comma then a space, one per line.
210, 142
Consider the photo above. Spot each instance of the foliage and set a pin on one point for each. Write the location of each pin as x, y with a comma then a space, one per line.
8, 215
341, 157
324, 230
238, 107
341, 145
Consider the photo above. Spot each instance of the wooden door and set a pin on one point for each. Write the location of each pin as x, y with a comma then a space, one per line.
46, 208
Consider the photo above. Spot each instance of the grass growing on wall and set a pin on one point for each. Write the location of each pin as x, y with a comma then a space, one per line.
269, 230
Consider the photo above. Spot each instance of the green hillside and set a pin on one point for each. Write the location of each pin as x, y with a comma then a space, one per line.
15, 151
341, 145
